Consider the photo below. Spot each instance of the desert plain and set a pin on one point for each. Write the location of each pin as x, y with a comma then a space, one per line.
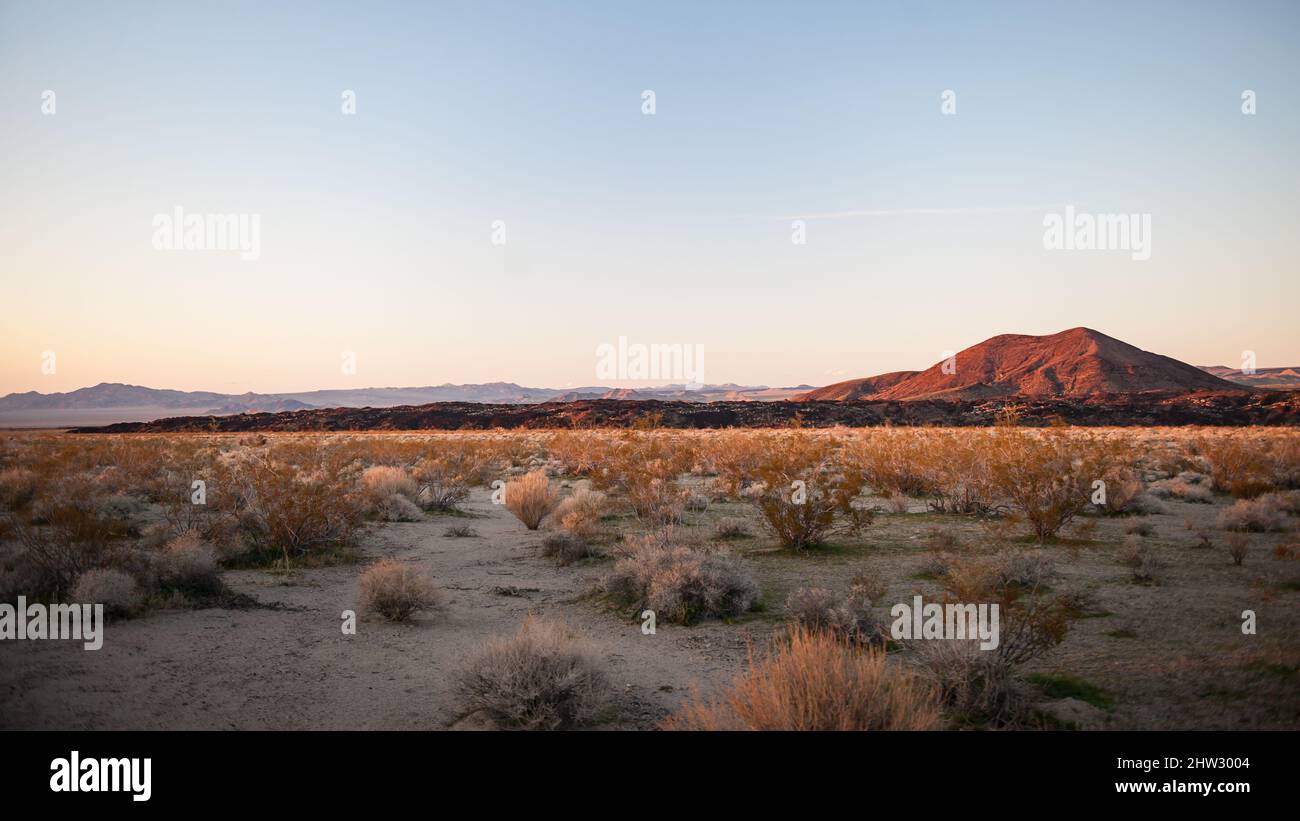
229, 609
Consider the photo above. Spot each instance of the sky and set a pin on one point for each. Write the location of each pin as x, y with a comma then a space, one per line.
923, 229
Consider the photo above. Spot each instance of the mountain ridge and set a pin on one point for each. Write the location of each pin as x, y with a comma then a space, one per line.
1078, 362
1074, 363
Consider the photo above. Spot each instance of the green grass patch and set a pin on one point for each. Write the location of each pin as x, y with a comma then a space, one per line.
1061, 685
1060, 541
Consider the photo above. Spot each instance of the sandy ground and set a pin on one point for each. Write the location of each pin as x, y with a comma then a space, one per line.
293, 668
1170, 655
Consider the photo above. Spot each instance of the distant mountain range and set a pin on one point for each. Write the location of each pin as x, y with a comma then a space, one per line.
1284, 379
1072, 364
110, 402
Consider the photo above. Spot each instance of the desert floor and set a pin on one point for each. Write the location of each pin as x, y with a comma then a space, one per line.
1167, 655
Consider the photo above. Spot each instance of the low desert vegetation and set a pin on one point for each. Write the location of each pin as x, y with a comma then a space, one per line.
381, 482
443, 483
851, 616
581, 512
731, 528
1187, 486
531, 498
815, 680
17, 488
804, 495
1238, 547
680, 583
982, 687
189, 565
290, 512
114, 589
539, 679
1246, 466
1262, 514
395, 591
706, 528
389, 494
566, 548
1046, 476
1141, 560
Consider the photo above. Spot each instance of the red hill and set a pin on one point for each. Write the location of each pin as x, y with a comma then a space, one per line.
1075, 363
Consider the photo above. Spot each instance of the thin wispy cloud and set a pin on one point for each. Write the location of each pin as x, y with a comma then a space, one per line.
908, 212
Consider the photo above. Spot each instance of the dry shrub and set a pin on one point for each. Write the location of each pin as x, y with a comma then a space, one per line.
379, 483
114, 589
1123, 491
957, 472
849, 617
805, 495
215, 521
398, 508
531, 498
1239, 464
390, 494
473, 462
17, 488
1186, 487
734, 455
1140, 559
1238, 547
460, 532
580, 513
816, 681
1001, 577
1145, 504
946, 468
187, 564
893, 463
1260, 515
978, 686
731, 528
396, 591
1139, 528
940, 541
566, 548
1023, 570
17, 579
644, 467
681, 584
975, 686
935, 564
1286, 501
1046, 475
540, 679
74, 534
1031, 622
579, 452
442, 484
657, 500
292, 513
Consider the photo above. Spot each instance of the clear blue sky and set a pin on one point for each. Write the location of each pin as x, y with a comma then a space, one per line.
666, 228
